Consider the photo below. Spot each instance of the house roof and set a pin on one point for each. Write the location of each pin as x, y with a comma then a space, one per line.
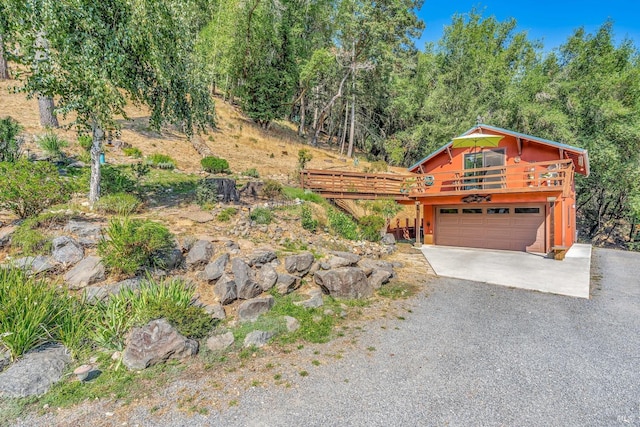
574, 153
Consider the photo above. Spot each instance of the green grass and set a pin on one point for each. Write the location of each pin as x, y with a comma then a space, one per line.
298, 193
397, 290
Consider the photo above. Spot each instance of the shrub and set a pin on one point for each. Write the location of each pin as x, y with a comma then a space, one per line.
370, 227
253, 173
307, 195
113, 180
161, 161
132, 152
304, 157
30, 240
226, 214
118, 203
206, 193
10, 141
342, 224
27, 188
306, 219
134, 244
261, 216
85, 142
214, 164
271, 189
52, 144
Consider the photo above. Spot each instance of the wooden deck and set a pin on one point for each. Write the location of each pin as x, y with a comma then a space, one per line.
552, 176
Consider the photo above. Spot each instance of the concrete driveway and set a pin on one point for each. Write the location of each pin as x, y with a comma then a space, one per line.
515, 269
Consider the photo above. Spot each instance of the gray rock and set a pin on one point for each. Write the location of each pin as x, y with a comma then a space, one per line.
225, 290
379, 278
245, 280
220, 342
314, 267
368, 263
261, 256
83, 228
87, 272
35, 373
216, 311
292, 323
172, 259
5, 235
199, 254
267, 277
287, 283
215, 269
353, 258
258, 338
299, 264
35, 264
251, 309
67, 251
337, 262
388, 239
154, 343
5, 359
347, 282
97, 293
314, 300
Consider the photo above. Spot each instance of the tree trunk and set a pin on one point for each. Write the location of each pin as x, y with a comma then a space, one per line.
225, 189
302, 118
344, 127
353, 126
47, 116
200, 145
96, 149
4, 69
323, 113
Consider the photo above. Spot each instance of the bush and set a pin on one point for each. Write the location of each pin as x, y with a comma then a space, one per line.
113, 180
304, 157
132, 152
134, 244
370, 227
161, 161
226, 214
52, 145
253, 173
28, 188
293, 193
118, 203
10, 141
206, 193
214, 164
271, 189
30, 240
342, 224
261, 216
306, 218
85, 142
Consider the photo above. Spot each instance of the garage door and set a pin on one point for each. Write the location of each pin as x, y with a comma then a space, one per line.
510, 227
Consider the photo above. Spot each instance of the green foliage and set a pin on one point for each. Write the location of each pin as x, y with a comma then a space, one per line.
397, 290
28, 188
10, 140
206, 193
342, 224
30, 240
377, 166
160, 161
114, 180
271, 189
118, 203
371, 226
52, 145
226, 214
253, 173
214, 164
133, 244
307, 220
293, 193
85, 142
261, 216
132, 152
304, 157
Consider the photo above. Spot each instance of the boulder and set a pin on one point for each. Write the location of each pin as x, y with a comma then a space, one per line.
215, 269
216, 311
251, 309
35, 373
245, 279
292, 323
261, 257
171, 259
87, 272
85, 229
314, 300
388, 239
336, 262
379, 278
258, 338
35, 264
299, 264
220, 342
287, 283
5, 235
346, 282
96, 293
353, 258
199, 254
368, 263
67, 251
154, 343
225, 290
267, 277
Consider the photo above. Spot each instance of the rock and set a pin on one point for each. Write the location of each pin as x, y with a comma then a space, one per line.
314, 301
83, 228
314, 267
35, 264
245, 280
225, 290
299, 264
368, 263
171, 259
220, 342
35, 373
87, 272
388, 239
258, 338
251, 309
379, 278
67, 251
292, 323
353, 258
96, 293
337, 262
346, 282
267, 277
216, 311
5, 235
5, 359
215, 269
261, 256
154, 343
287, 283
199, 254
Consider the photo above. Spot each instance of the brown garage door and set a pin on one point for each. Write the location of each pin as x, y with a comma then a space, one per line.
510, 227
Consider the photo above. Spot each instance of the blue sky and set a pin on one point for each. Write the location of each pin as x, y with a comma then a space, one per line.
550, 21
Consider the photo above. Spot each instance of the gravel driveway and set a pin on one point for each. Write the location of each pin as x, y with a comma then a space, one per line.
470, 354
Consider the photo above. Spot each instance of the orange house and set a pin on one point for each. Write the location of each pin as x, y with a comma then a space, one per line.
519, 195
